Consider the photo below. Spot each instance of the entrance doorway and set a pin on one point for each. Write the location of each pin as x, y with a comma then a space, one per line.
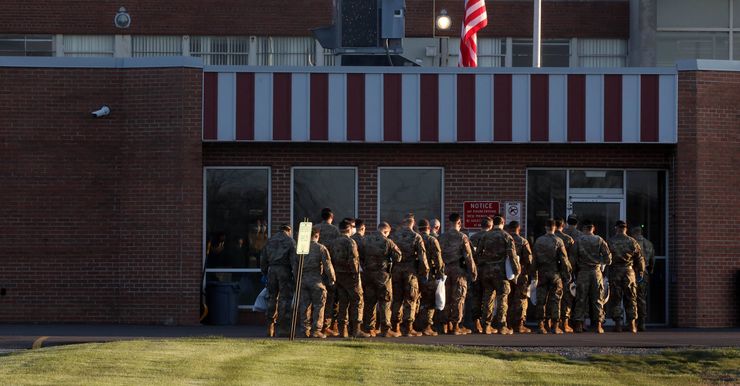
603, 213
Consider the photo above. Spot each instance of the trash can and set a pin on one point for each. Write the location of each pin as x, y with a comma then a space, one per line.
222, 299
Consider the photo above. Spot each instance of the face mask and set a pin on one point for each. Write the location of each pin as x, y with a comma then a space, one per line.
352, 231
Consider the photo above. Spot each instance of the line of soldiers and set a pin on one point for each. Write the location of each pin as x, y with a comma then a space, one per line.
383, 283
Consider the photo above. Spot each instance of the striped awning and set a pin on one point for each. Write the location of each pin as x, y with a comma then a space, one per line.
420, 105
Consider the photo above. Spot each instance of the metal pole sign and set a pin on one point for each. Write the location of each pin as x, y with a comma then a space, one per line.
302, 249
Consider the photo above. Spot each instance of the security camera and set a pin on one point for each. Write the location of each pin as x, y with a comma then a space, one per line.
103, 111
122, 18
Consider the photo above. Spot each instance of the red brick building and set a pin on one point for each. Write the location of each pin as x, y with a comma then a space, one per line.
111, 219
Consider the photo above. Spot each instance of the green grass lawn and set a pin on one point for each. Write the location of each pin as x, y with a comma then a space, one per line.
210, 361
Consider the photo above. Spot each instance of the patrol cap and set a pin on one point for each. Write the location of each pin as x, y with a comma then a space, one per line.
344, 225
514, 224
620, 224
285, 228
587, 224
424, 224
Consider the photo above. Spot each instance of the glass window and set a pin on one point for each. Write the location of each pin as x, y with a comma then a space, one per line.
596, 181
491, 52
26, 45
646, 205
555, 53
220, 50
602, 52
237, 216
88, 45
417, 191
545, 199
673, 46
318, 188
693, 13
156, 45
249, 283
736, 43
286, 51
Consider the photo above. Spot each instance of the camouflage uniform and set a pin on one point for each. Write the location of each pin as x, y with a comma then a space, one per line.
627, 260
275, 264
573, 232
316, 265
551, 263
429, 289
369, 318
642, 286
566, 302
377, 254
518, 300
406, 274
590, 253
327, 234
492, 251
346, 262
475, 293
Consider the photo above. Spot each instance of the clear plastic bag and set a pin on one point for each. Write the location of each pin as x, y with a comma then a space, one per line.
260, 304
439, 293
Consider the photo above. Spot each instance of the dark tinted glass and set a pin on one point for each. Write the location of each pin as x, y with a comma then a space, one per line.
417, 191
249, 284
657, 294
545, 199
596, 179
236, 217
646, 205
554, 53
315, 189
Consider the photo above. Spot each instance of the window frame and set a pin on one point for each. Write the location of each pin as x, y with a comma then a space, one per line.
732, 28
441, 182
292, 185
204, 225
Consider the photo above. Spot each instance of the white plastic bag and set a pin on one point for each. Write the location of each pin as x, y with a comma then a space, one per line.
439, 294
260, 304
510, 275
532, 292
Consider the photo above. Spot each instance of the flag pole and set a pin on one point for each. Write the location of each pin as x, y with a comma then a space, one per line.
536, 34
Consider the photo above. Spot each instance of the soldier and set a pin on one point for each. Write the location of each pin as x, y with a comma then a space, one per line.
359, 226
429, 289
566, 303
492, 251
476, 288
436, 226
648, 251
378, 254
518, 300
627, 261
327, 234
572, 228
591, 254
406, 275
275, 265
457, 256
313, 292
551, 264
346, 262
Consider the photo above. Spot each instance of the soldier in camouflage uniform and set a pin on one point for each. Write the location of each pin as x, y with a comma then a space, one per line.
316, 265
648, 250
436, 226
491, 251
328, 232
572, 228
406, 275
275, 265
566, 303
457, 256
518, 300
590, 254
346, 262
428, 289
551, 263
378, 254
627, 261
475, 288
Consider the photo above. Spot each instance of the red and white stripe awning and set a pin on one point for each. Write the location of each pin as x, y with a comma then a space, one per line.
413, 105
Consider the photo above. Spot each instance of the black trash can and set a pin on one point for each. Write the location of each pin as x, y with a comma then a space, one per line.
223, 302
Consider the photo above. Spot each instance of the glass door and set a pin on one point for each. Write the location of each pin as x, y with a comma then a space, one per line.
603, 213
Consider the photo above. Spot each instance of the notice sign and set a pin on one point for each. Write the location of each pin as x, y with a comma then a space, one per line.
513, 211
475, 211
304, 238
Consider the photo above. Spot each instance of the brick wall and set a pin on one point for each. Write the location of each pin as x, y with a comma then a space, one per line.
563, 19
706, 257
100, 218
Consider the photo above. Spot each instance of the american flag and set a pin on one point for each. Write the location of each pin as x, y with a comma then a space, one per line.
475, 20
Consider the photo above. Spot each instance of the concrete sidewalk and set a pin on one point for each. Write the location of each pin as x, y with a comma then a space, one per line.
19, 337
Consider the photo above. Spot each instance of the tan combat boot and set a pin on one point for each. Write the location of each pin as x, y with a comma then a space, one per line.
505, 330
409, 330
444, 328
565, 326
429, 331
633, 326
465, 330
329, 332
358, 333
335, 326
478, 329
488, 330
521, 328
599, 328
318, 334
456, 329
541, 329
343, 331
387, 332
618, 325
577, 326
556, 329
270, 330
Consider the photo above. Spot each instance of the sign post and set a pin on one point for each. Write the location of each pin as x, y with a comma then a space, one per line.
302, 249
475, 211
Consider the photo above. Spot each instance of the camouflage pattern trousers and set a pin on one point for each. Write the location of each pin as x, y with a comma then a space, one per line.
428, 302
495, 288
456, 287
280, 288
622, 291
349, 294
378, 295
589, 292
549, 293
518, 300
568, 300
331, 307
313, 295
642, 297
405, 295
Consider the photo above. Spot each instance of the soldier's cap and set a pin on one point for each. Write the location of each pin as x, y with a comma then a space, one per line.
620, 224
409, 216
285, 227
424, 224
572, 217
